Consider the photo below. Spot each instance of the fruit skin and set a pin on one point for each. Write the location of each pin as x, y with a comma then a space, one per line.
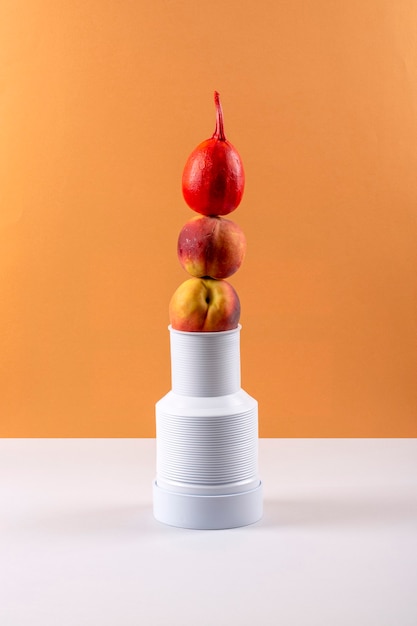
204, 304
211, 246
213, 179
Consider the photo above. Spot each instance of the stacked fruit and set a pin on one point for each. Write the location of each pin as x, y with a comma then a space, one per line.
210, 247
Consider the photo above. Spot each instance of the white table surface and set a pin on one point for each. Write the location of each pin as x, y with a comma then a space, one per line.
337, 544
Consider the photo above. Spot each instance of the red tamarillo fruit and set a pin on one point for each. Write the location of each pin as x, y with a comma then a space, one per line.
213, 179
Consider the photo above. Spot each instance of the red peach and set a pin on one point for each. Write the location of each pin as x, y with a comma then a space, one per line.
211, 246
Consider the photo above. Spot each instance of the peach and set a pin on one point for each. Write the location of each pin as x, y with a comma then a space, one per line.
211, 246
204, 304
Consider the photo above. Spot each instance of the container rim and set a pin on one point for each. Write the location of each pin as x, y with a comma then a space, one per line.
205, 333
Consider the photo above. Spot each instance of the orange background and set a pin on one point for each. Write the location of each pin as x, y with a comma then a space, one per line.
100, 104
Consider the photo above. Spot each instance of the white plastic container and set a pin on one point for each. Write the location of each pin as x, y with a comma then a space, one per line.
207, 437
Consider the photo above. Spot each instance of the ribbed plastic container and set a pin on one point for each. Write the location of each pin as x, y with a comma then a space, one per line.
207, 437
205, 364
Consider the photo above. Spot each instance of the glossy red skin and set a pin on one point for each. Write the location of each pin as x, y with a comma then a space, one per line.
211, 246
213, 180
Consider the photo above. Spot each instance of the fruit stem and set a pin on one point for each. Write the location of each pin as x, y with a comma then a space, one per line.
219, 132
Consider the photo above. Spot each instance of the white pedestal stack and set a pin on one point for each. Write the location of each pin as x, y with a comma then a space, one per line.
207, 437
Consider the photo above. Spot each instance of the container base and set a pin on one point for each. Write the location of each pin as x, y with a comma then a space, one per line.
202, 512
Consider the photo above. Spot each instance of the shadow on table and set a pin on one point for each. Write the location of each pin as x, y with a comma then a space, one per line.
131, 520
126, 520
340, 511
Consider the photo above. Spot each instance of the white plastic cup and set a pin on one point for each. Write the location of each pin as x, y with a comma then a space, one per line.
205, 363
207, 437
196, 449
